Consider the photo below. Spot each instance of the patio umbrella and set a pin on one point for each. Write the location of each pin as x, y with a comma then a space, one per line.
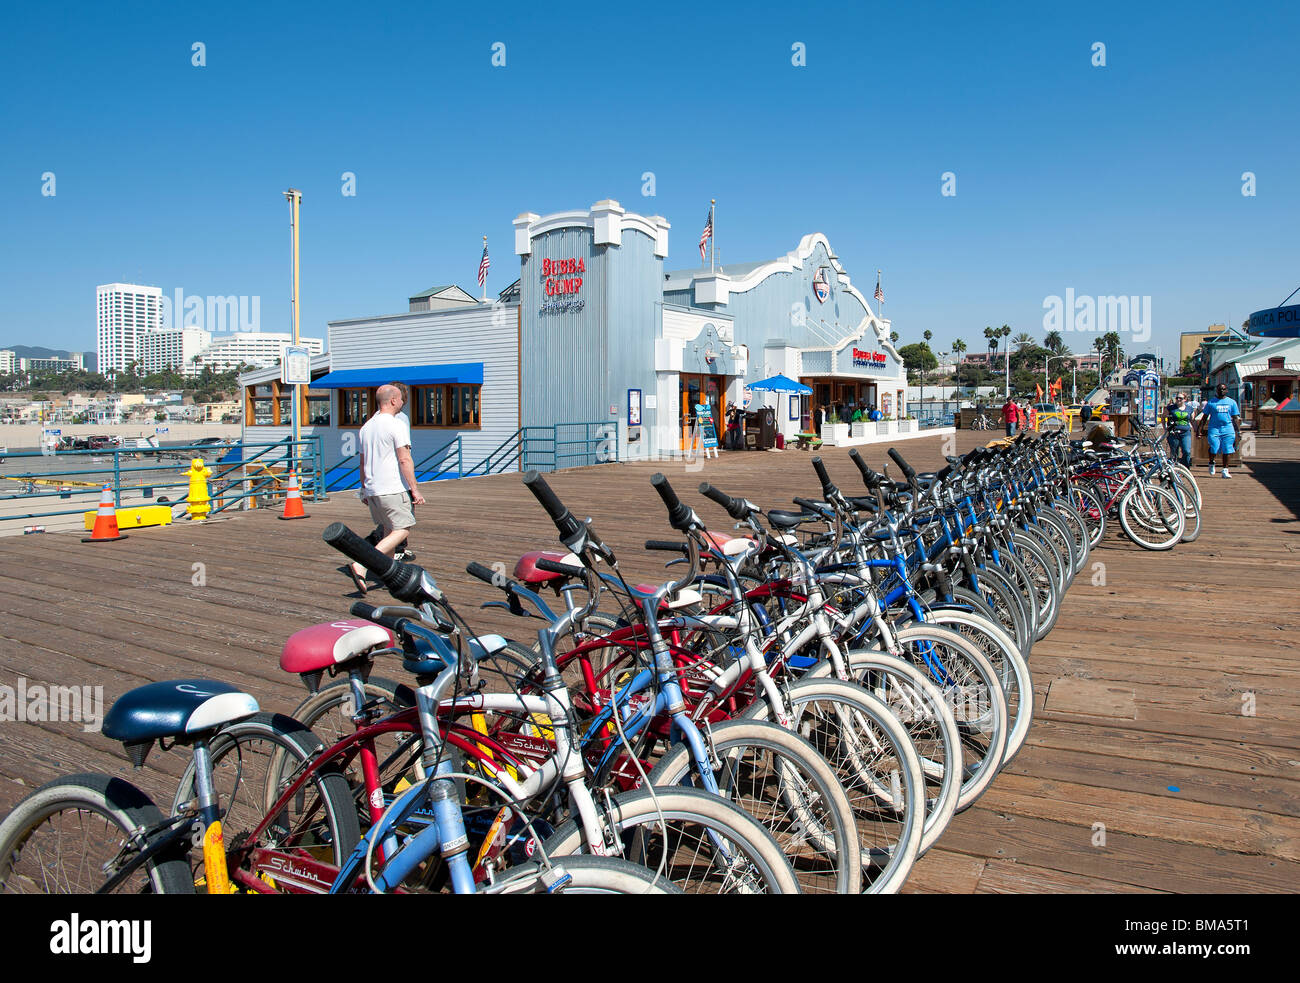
779, 384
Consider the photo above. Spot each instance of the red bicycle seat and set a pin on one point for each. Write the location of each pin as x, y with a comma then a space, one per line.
526, 569
321, 646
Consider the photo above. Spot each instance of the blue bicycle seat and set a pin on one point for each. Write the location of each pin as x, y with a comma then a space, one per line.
174, 708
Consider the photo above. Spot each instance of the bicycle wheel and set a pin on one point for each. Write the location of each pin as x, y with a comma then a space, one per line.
253, 762
1048, 522
585, 875
1091, 508
1042, 577
74, 833
1186, 472
1078, 529
1011, 667
973, 691
700, 842
876, 764
780, 779
931, 727
1179, 487
1151, 517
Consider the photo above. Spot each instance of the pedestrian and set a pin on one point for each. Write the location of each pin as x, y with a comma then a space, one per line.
1178, 421
1221, 424
1032, 415
1011, 416
387, 475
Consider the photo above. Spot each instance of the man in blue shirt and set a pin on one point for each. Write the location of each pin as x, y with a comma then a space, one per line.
1222, 426
1178, 420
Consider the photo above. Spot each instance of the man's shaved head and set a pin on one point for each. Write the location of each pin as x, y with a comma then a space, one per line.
386, 394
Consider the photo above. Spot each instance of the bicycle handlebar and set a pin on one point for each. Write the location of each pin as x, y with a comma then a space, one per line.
680, 517
405, 581
564, 521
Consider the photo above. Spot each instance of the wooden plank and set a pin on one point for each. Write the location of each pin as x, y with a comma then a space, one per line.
1008, 877
943, 872
1098, 699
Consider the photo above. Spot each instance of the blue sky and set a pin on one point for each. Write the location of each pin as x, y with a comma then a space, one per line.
1123, 179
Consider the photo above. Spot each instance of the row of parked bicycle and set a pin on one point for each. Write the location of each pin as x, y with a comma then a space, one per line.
803, 708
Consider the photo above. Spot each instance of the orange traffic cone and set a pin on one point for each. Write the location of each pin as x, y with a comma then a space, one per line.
105, 520
293, 500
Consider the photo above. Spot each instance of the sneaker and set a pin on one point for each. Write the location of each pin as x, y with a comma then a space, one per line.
1211, 469
1225, 473
406, 556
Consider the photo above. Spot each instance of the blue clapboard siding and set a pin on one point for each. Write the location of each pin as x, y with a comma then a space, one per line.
481, 333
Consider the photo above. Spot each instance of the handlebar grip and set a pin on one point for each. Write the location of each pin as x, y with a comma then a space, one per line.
395, 623
828, 486
810, 506
551, 566
679, 516
666, 546
562, 517
483, 573
856, 458
352, 546
903, 466
735, 507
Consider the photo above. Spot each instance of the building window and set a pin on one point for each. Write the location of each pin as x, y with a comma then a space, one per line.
318, 407
354, 406
261, 405
446, 406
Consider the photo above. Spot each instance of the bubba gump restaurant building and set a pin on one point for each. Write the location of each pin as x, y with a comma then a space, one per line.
596, 329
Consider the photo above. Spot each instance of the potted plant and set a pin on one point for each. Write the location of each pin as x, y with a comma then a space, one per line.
907, 425
858, 428
838, 432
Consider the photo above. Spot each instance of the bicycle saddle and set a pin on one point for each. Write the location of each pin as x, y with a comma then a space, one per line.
321, 646
526, 569
175, 708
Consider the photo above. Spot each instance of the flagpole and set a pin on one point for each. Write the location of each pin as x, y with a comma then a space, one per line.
713, 235
484, 275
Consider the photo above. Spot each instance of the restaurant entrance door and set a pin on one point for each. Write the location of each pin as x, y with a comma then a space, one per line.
696, 389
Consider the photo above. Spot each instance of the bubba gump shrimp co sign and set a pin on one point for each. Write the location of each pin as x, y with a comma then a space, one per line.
561, 281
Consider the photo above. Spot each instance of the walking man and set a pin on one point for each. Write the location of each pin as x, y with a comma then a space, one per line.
1011, 416
1221, 425
1178, 420
387, 475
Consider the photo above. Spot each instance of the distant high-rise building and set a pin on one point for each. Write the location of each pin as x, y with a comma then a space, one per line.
123, 313
8, 362
253, 348
173, 348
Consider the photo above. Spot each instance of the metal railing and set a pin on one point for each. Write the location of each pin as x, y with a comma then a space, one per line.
562, 445
244, 475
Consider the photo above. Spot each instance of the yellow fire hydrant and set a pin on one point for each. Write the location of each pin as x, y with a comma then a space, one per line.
197, 501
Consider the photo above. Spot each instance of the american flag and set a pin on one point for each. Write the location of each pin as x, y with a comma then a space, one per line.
484, 265
880, 294
707, 234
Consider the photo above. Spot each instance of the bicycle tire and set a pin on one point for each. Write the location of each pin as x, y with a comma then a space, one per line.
588, 875
1010, 665
28, 868
1177, 486
1093, 510
1137, 525
1078, 531
792, 791
886, 790
324, 820
931, 727
688, 816
1042, 573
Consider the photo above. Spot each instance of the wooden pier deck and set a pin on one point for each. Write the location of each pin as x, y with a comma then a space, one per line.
1165, 751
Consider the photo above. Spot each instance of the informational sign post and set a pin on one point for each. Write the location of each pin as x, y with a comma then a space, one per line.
708, 430
634, 407
296, 366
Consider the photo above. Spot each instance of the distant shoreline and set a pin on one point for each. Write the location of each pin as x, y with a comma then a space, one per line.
27, 436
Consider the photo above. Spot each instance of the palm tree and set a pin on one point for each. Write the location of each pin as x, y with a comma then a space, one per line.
1052, 342
893, 337
1023, 341
958, 347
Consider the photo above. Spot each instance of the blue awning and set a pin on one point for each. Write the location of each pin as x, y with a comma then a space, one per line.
467, 373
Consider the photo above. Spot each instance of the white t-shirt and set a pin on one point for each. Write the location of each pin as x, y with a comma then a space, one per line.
380, 437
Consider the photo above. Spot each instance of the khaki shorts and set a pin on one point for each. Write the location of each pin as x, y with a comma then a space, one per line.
392, 511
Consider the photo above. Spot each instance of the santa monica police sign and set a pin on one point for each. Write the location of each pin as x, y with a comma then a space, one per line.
1276, 322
